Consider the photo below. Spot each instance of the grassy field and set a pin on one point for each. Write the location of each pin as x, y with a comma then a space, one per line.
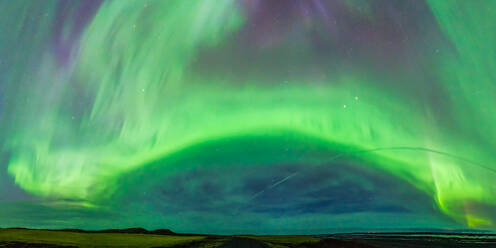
143, 238
80, 239
94, 239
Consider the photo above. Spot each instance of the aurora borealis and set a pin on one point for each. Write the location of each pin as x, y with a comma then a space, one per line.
260, 116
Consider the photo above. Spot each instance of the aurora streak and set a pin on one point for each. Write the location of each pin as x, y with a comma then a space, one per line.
232, 116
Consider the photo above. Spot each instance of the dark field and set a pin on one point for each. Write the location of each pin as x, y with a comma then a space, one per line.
137, 237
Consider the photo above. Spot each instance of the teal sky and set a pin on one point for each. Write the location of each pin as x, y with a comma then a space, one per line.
248, 116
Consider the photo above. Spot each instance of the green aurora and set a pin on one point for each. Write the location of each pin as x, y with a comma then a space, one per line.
149, 90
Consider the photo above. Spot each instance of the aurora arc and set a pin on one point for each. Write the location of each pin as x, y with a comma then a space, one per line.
92, 100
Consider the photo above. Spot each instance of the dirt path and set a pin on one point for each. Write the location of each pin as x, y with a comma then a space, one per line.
243, 243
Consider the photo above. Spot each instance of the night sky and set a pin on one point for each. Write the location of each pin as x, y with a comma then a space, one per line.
248, 116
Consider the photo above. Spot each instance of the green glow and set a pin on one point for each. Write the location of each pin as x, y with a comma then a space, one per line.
468, 77
142, 100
